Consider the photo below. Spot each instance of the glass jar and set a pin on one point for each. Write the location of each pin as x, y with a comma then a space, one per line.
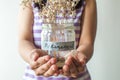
58, 40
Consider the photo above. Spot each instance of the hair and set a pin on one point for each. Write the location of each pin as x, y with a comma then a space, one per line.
40, 5
79, 4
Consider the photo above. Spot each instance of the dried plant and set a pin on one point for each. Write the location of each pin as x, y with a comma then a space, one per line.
51, 10
58, 8
24, 2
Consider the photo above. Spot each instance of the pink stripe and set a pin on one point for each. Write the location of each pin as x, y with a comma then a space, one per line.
77, 31
77, 17
37, 39
38, 24
77, 39
88, 78
37, 31
60, 78
36, 17
29, 75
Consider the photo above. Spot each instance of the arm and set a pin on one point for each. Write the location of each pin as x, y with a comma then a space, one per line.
41, 63
73, 66
25, 37
86, 44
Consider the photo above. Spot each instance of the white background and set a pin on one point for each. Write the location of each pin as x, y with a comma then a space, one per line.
104, 65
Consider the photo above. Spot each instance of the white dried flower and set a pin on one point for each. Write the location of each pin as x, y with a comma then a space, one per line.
58, 8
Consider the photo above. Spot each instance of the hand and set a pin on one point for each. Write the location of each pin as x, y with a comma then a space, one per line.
43, 64
74, 64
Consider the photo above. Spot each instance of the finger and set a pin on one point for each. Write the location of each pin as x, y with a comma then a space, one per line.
80, 69
47, 65
51, 71
43, 68
43, 60
66, 70
33, 65
68, 60
35, 53
56, 73
82, 59
73, 70
66, 67
41, 52
40, 61
34, 57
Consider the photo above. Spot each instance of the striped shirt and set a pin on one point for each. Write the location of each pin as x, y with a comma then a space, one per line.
29, 73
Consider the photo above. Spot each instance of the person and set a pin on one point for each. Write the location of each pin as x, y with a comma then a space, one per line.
41, 66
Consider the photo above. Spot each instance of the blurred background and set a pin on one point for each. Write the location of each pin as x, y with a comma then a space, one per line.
104, 65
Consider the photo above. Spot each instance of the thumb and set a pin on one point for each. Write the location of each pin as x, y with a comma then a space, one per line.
82, 59
36, 53
35, 56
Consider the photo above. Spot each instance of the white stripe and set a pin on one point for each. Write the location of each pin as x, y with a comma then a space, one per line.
76, 20
37, 35
35, 12
37, 21
59, 76
29, 71
38, 43
37, 27
28, 78
79, 14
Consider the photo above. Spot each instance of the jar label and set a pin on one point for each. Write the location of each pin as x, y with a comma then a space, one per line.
58, 46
